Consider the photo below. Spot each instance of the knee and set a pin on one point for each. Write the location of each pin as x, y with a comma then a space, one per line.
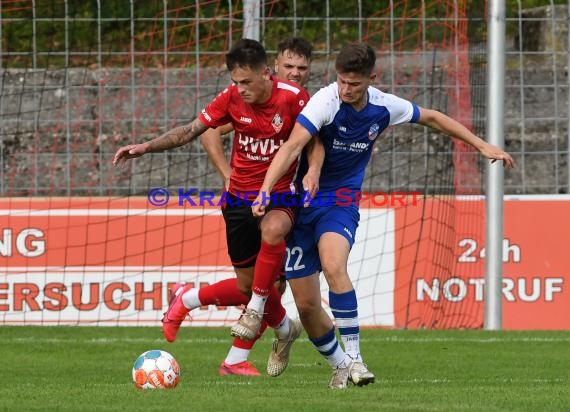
273, 236
332, 266
337, 277
273, 231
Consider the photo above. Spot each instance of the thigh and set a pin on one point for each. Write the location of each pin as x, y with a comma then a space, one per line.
334, 250
302, 254
342, 220
242, 235
336, 232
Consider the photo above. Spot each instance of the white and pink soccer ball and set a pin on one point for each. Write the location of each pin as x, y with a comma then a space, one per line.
156, 369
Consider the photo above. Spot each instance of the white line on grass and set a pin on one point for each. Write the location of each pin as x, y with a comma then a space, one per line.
495, 339
224, 340
472, 380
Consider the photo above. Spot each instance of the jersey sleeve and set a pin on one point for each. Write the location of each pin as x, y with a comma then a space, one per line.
320, 110
301, 100
401, 110
216, 112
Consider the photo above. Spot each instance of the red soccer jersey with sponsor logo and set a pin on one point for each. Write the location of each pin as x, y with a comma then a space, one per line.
259, 131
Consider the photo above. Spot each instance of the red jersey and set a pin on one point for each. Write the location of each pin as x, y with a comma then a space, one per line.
259, 131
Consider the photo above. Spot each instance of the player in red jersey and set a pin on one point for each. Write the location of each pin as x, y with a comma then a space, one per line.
263, 111
292, 63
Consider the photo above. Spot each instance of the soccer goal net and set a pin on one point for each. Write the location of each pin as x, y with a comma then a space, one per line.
80, 242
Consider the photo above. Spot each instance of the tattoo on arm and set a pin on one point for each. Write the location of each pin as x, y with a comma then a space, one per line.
178, 136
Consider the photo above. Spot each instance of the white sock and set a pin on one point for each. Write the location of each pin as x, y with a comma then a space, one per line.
345, 362
352, 346
190, 299
257, 303
339, 359
356, 358
237, 355
282, 330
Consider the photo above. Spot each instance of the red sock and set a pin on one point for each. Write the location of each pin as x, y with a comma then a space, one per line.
274, 310
248, 344
267, 267
223, 293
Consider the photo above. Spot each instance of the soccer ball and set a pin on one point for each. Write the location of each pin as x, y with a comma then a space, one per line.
156, 369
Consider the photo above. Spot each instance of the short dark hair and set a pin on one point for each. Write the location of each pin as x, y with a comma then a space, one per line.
297, 45
246, 53
356, 58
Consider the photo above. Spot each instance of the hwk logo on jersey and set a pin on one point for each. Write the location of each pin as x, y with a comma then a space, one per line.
277, 123
373, 132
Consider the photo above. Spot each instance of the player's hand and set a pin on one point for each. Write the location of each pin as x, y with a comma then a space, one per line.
310, 186
258, 206
128, 152
227, 183
495, 153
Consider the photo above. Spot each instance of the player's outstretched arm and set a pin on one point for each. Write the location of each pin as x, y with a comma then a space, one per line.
315, 157
445, 124
286, 155
176, 137
211, 140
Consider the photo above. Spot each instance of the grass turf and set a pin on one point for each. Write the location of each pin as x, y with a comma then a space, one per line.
89, 368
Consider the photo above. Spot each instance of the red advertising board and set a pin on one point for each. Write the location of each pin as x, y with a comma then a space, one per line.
105, 260
442, 291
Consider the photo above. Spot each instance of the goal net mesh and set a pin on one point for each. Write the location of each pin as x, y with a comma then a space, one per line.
80, 243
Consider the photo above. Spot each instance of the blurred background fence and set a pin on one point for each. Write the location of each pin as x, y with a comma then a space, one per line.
81, 78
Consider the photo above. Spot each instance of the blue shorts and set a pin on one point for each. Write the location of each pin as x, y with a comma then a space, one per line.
312, 222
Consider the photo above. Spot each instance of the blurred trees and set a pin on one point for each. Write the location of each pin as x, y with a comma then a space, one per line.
104, 33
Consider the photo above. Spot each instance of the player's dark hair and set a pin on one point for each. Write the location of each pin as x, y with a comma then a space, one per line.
297, 45
356, 58
246, 53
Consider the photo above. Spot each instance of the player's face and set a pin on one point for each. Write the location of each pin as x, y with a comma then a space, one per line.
293, 67
353, 88
253, 85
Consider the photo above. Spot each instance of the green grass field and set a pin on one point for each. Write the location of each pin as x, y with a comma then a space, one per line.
89, 368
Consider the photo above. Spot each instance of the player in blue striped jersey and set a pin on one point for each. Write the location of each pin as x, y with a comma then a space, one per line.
348, 116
